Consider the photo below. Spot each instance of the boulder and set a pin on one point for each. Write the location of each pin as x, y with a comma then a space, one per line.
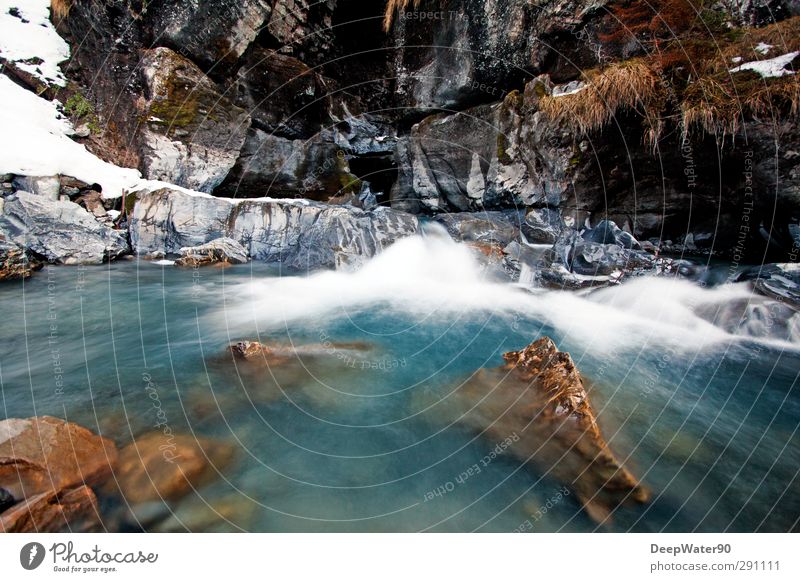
222, 250
608, 233
66, 511
542, 225
298, 233
192, 133
45, 454
779, 281
47, 186
537, 400
58, 231
160, 466
15, 263
590, 258
481, 227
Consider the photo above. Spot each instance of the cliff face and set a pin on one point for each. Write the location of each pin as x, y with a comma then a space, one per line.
458, 106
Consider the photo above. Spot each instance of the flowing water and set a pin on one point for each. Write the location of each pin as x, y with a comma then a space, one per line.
703, 412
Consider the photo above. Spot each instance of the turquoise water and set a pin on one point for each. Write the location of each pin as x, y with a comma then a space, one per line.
708, 421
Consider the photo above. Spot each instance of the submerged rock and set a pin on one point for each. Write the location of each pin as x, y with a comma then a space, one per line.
222, 250
42, 454
538, 395
275, 353
66, 511
168, 467
58, 231
298, 233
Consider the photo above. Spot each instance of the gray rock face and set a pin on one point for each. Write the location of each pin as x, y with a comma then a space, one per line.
210, 33
479, 49
298, 233
275, 166
482, 227
59, 232
221, 250
47, 186
489, 157
193, 133
760, 12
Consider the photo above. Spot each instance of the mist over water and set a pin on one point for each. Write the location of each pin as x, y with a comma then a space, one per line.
432, 278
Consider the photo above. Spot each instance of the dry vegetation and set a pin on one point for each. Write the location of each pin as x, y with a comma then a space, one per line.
60, 9
683, 73
395, 7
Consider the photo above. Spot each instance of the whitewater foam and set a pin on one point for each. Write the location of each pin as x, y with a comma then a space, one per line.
431, 278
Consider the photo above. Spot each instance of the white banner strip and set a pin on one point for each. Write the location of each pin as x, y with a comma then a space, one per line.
401, 557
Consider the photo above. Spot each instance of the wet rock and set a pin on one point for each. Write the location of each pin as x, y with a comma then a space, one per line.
41, 454
15, 263
6, 500
780, 281
608, 233
481, 227
297, 233
158, 466
589, 258
539, 397
542, 225
193, 132
67, 511
221, 250
60, 232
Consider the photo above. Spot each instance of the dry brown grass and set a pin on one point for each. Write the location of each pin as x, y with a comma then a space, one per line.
394, 7
59, 9
628, 85
689, 81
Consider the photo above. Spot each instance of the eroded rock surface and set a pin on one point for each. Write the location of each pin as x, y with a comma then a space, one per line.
297, 233
224, 251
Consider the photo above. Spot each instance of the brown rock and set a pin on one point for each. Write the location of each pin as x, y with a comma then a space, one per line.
43, 454
71, 510
14, 262
158, 466
539, 397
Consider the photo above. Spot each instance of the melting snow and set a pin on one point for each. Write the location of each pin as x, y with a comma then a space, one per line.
28, 39
763, 48
569, 89
775, 67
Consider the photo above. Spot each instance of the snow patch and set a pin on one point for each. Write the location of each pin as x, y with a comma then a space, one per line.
775, 67
763, 48
29, 40
568, 89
